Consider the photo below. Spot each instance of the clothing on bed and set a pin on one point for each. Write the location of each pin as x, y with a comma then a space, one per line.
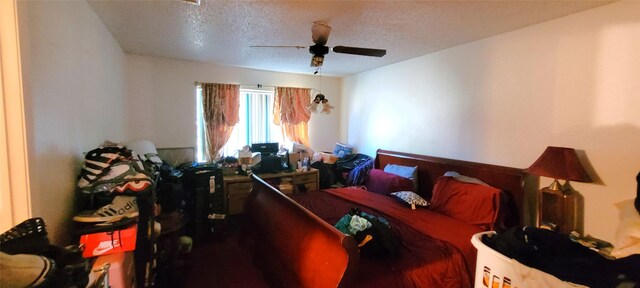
373, 233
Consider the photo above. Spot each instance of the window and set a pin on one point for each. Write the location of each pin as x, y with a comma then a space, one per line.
255, 125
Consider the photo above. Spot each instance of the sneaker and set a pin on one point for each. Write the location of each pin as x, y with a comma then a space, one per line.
125, 172
120, 207
97, 163
141, 183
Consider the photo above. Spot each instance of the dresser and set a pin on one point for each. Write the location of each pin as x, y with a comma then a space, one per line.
238, 187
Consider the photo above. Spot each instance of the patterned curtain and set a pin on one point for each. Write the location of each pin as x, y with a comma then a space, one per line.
220, 107
291, 113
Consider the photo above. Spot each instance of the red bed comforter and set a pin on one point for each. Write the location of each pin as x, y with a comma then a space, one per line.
435, 249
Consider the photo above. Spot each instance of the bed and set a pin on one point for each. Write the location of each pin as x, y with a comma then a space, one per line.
296, 245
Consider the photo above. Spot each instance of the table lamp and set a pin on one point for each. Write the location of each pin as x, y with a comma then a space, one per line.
558, 204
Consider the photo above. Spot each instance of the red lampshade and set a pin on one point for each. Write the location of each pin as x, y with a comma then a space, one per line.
560, 163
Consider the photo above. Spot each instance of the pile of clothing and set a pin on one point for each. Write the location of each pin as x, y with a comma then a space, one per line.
372, 233
564, 257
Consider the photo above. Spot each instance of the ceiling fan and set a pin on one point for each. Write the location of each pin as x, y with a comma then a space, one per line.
320, 34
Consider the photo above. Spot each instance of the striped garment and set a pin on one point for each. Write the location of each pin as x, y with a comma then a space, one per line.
359, 173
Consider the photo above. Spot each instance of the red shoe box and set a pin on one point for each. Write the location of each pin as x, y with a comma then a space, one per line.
104, 243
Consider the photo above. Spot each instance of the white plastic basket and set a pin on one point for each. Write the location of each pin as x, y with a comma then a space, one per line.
493, 269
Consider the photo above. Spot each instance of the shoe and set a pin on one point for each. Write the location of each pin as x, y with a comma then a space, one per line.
28, 237
137, 182
121, 177
120, 224
121, 207
97, 163
26, 270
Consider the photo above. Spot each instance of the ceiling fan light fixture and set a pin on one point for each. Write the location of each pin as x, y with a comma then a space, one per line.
320, 32
317, 60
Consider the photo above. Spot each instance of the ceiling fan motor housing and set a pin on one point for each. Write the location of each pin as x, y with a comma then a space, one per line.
319, 50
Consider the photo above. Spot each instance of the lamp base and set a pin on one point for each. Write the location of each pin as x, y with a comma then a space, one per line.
560, 210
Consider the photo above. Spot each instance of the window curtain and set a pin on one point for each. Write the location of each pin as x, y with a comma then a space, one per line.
220, 107
290, 112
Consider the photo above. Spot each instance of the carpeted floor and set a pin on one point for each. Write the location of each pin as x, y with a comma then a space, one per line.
223, 263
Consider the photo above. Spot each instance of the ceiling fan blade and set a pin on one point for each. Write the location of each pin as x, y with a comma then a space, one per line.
360, 51
320, 32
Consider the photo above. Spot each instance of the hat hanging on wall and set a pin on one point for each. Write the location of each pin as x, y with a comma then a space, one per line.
320, 100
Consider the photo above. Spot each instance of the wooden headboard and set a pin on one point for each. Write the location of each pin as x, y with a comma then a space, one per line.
513, 181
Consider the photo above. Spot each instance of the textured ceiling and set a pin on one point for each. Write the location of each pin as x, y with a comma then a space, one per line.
222, 32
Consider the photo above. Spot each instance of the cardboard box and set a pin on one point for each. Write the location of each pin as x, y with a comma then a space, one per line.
104, 243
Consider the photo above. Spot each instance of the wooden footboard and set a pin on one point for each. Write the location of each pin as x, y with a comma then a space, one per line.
292, 246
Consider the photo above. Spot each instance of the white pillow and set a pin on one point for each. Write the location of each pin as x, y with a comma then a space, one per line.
463, 178
627, 239
404, 171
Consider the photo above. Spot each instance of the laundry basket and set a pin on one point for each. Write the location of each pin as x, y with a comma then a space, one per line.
493, 269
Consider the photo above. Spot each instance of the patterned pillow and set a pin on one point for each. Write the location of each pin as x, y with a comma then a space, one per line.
410, 198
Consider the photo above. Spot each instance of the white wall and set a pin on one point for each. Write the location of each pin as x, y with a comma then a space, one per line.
570, 82
161, 98
74, 100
